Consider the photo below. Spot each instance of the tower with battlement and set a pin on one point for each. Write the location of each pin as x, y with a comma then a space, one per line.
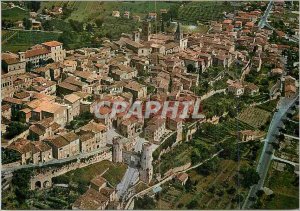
117, 151
146, 171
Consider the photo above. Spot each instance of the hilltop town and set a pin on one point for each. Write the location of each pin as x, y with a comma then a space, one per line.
242, 66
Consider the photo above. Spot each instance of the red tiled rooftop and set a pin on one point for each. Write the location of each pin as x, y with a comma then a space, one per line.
52, 43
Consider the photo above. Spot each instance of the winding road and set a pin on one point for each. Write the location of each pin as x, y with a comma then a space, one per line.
268, 150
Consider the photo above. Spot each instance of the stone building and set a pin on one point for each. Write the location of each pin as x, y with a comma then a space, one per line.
100, 133
65, 145
146, 171
117, 155
57, 53
98, 197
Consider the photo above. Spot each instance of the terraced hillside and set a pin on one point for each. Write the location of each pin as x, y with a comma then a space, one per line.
22, 40
88, 10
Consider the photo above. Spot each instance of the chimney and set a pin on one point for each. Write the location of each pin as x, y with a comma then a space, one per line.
21, 56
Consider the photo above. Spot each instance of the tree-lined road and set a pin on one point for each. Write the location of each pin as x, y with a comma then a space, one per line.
268, 150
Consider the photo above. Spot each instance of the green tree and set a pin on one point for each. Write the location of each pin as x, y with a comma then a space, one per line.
67, 38
18, 116
33, 5
193, 204
27, 23
162, 29
21, 180
189, 185
249, 177
9, 155
29, 66
89, 27
146, 203
260, 193
47, 26
99, 22
76, 25
208, 167
14, 129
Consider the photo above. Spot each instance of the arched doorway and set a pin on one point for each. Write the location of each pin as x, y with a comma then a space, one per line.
46, 184
38, 184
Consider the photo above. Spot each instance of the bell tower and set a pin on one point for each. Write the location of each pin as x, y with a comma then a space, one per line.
146, 30
178, 37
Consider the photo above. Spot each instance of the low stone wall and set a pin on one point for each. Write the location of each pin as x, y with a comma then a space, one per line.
45, 175
22, 135
177, 169
211, 93
11, 165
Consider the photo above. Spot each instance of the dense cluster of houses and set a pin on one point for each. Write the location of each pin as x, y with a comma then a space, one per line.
98, 197
47, 140
50, 86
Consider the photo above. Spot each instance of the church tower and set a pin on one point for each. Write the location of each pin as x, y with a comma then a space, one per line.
178, 37
178, 33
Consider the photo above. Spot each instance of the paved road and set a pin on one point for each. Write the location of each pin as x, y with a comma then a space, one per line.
129, 179
263, 20
292, 137
131, 176
54, 161
284, 161
268, 151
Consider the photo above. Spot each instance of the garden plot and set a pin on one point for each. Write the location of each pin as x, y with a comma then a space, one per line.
254, 117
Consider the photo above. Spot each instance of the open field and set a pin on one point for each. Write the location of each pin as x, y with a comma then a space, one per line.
22, 40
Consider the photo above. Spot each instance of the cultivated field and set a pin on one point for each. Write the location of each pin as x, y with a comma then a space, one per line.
285, 188
203, 11
87, 10
254, 117
211, 191
22, 40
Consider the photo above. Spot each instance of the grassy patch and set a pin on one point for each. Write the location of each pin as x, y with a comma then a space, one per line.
14, 14
285, 188
23, 40
178, 156
281, 201
85, 175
